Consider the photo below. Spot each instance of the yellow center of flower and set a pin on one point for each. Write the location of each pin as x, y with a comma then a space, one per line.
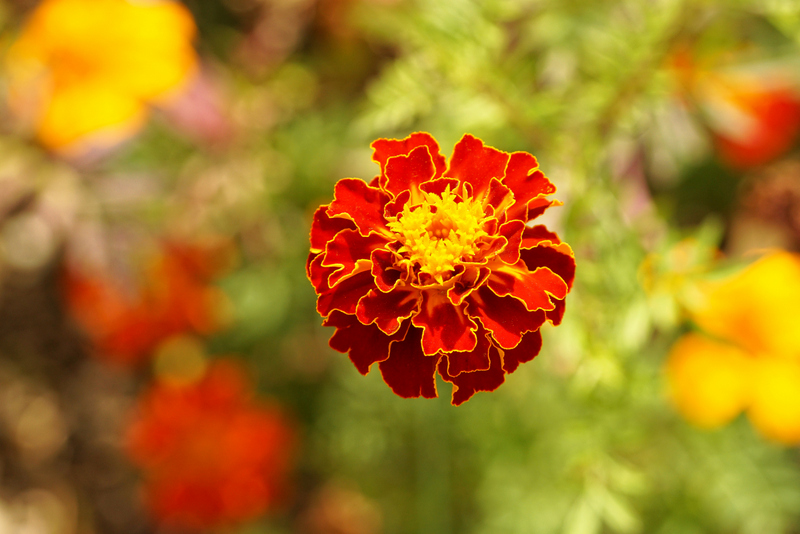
439, 233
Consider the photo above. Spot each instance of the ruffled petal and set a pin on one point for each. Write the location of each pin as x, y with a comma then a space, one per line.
445, 327
527, 350
498, 198
560, 259
476, 164
324, 228
364, 344
317, 274
470, 280
345, 295
527, 182
387, 276
538, 206
512, 231
347, 249
388, 310
535, 235
408, 371
474, 360
362, 204
439, 185
467, 384
534, 288
383, 149
407, 173
505, 317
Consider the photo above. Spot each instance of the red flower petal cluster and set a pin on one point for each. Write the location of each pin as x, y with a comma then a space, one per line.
211, 455
431, 266
175, 296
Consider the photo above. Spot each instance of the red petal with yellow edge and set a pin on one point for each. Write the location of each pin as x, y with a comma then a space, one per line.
325, 228
469, 281
467, 384
538, 206
345, 295
346, 249
498, 198
317, 274
512, 231
476, 164
386, 274
383, 149
559, 259
534, 288
534, 235
408, 371
363, 204
395, 207
439, 185
468, 362
364, 344
446, 327
505, 317
407, 173
527, 183
556, 314
387, 310
527, 350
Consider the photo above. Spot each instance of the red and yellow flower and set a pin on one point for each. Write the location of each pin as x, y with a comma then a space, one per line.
748, 356
211, 454
87, 68
432, 267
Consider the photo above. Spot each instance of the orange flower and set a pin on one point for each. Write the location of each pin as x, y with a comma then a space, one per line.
175, 297
754, 362
210, 453
754, 116
85, 68
432, 267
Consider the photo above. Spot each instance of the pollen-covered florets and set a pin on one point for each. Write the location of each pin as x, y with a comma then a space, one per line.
432, 267
439, 233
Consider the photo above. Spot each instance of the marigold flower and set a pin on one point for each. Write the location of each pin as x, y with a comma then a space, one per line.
752, 362
432, 267
210, 453
754, 116
175, 296
82, 67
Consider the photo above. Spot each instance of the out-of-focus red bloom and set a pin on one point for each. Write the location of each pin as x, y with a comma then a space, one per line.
211, 454
175, 296
431, 265
754, 116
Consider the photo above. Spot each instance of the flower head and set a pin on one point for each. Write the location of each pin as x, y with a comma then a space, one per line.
431, 266
748, 357
84, 67
175, 296
753, 114
211, 454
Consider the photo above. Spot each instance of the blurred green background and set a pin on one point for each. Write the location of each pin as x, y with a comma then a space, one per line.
584, 439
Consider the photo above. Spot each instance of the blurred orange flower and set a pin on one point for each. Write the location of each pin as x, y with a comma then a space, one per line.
175, 296
211, 454
434, 265
83, 68
753, 114
749, 357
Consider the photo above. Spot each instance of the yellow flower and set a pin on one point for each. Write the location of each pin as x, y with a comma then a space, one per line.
759, 308
708, 380
88, 68
753, 362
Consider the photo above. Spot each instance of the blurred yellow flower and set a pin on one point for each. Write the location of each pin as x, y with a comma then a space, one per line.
85, 70
753, 361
